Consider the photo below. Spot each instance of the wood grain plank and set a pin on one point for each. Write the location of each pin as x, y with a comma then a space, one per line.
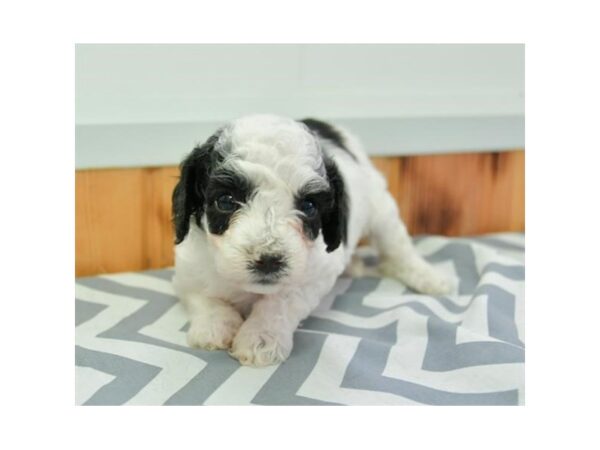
463, 194
109, 219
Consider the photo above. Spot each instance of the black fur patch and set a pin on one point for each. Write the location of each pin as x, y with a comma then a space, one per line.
189, 194
327, 131
332, 207
323, 200
201, 182
335, 221
225, 182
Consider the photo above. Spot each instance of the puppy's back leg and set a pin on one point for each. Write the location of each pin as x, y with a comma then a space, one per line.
399, 258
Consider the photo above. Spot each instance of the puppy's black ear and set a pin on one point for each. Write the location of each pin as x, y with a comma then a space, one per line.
188, 195
334, 219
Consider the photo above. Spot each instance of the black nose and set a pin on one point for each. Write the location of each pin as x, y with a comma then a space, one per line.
268, 264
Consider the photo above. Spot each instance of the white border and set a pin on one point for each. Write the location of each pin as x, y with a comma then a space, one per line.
562, 224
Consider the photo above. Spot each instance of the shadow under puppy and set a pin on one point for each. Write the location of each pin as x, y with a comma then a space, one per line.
267, 214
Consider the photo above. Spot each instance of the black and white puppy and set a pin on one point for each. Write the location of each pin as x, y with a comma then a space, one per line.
267, 214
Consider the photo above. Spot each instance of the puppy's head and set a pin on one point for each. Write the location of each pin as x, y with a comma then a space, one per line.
265, 194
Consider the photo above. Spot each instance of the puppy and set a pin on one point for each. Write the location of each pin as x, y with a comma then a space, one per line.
267, 213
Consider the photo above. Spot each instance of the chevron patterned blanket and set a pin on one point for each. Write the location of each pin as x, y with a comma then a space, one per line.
372, 341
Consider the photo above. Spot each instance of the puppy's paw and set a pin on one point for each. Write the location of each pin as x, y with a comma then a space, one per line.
261, 347
437, 284
423, 278
214, 331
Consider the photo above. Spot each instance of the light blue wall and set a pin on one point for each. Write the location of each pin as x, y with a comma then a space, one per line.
148, 104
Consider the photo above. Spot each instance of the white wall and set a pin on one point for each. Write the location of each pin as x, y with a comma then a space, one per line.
184, 83
209, 84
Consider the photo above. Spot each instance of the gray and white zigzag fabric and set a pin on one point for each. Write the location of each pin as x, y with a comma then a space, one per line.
372, 341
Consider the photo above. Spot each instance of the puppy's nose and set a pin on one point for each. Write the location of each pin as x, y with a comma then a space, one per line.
267, 264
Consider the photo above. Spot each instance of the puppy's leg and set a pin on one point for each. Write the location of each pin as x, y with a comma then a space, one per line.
266, 337
213, 322
399, 257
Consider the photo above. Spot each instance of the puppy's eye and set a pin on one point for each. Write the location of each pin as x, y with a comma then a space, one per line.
308, 208
226, 203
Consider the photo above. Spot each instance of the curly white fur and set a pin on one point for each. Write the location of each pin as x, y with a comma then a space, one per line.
280, 156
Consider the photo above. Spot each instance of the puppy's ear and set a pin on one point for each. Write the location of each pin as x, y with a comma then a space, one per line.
334, 219
188, 195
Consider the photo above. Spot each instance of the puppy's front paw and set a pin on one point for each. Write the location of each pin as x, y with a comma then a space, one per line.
261, 347
214, 331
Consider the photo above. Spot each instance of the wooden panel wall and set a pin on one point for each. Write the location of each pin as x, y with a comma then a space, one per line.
123, 219
458, 194
123, 216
